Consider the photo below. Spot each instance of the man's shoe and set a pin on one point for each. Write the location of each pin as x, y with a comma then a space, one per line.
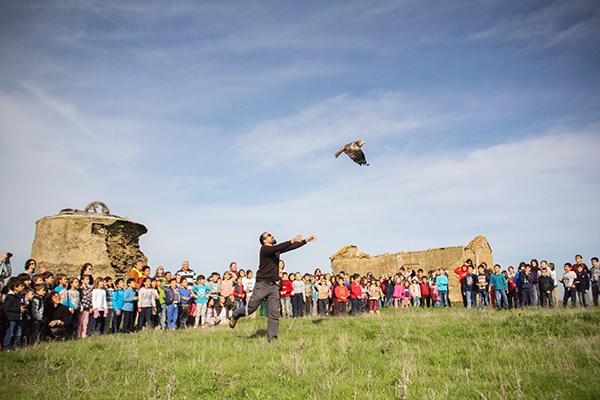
232, 322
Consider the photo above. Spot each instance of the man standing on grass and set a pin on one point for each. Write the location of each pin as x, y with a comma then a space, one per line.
267, 278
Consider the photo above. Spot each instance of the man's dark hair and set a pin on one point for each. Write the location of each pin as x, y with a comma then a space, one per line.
24, 276
262, 237
594, 258
14, 283
579, 255
130, 280
117, 281
145, 268
200, 277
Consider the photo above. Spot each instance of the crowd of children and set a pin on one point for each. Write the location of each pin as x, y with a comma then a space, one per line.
40, 305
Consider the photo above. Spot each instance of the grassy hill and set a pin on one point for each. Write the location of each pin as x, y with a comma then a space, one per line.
414, 354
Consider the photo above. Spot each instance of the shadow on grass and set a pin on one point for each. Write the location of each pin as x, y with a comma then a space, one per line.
258, 333
317, 321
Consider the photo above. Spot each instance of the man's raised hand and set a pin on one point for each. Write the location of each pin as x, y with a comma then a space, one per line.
311, 238
297, 239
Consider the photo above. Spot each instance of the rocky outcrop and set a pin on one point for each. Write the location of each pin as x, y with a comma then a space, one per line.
352, 260
64, 242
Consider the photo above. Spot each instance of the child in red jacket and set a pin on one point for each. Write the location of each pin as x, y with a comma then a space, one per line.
355, 294
341, 294
285, 292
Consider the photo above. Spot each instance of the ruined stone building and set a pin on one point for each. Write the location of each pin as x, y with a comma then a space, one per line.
64, 242
352, 260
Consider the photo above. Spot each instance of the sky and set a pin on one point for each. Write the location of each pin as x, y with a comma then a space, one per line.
211, 122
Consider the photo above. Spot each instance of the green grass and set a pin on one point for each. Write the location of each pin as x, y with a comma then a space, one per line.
411, 354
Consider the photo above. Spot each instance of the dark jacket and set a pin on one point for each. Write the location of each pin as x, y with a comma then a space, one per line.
36, 308
12, 307
268, 270
583, 281
546, 283
525, 280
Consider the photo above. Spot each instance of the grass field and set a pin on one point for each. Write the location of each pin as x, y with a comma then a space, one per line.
414, 354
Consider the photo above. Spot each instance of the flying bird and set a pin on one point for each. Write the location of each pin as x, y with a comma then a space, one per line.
354, 151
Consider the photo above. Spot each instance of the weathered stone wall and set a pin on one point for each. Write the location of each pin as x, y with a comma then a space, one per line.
351, 260
63, 243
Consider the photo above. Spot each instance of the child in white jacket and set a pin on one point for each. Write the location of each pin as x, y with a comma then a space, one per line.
99, 306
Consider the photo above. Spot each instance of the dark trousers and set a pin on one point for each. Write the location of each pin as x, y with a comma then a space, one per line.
595, 293
512, 299
99, 322
582, 294
546, 299
116, 322
343, 307
297, 305
262, 291
323, 307
184, 311
35, 328
128, 317
569, 294
356, 306
108, 321
426, 301
526, 297
145, 318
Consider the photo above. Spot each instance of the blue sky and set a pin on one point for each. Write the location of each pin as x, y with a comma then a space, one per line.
211, 122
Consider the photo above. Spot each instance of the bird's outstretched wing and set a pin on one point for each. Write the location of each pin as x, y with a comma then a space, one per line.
340, 151
357, 156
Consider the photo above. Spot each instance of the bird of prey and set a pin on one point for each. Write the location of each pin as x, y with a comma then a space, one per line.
354, 151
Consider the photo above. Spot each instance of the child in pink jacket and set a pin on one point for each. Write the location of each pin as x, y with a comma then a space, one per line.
405, 294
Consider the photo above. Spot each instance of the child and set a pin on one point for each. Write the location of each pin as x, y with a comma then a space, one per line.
214, 286
546, 288
425, 293
355, 294
298, 296
582, 284
374, 295
285, 292
129, 300
441, 281
172, 302
238, 293
415, 291
482, 286
595, 280
568, 281
201, 292
526, 284
99, 306
61, 287
397, 292
118, 302
405, 295
341, 293
13, 310
185, 296
308, 295
85, 296
36, 308
146, 304
435, 294
500, 285
110, 289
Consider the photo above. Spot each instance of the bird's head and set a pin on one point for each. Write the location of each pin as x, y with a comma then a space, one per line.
360, 142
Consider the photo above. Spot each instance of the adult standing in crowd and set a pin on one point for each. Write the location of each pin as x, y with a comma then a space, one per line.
30, 267
186, 273
5, 268
267, 278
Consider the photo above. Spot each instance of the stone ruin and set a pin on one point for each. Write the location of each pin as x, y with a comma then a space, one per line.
64, 242
352, 260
